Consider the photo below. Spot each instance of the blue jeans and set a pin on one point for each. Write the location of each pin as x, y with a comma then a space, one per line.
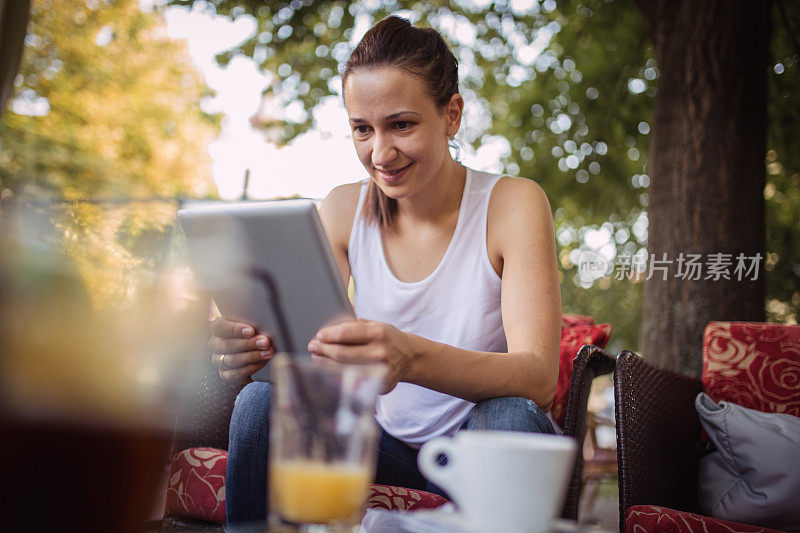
246, 477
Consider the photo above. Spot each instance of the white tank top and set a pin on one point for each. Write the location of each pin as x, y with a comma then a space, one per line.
457, 304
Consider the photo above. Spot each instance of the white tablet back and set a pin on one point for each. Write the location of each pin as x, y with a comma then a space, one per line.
268, 264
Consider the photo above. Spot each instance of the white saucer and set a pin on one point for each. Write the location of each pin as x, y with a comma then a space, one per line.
422, 521
444, 520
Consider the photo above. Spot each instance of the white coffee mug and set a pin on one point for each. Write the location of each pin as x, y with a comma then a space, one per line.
500, 480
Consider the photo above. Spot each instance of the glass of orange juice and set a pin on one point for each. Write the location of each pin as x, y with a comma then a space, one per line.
323, 439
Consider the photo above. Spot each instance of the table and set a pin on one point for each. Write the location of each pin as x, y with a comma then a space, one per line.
382, 521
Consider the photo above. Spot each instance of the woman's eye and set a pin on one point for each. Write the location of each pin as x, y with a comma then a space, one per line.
402, 124
361, 130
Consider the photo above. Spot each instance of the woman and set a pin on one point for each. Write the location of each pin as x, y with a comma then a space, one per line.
455, 276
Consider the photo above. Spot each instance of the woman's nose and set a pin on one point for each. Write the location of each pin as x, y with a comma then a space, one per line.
383, 150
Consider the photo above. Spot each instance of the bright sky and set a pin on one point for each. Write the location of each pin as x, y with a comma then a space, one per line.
315, 162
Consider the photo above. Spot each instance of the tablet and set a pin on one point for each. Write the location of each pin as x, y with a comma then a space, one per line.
268, 264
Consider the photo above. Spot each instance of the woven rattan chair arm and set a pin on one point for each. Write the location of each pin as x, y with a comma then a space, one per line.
207, 417
589, 363
657, 435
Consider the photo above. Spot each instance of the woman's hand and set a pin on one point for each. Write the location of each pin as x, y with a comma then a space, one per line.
237, 350
364, 341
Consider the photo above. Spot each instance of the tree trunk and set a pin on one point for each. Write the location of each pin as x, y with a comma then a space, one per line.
706, 166
13, 23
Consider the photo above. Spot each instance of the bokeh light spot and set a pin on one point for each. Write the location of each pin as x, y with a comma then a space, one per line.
636, 86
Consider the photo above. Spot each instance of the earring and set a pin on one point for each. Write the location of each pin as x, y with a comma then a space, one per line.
452, 137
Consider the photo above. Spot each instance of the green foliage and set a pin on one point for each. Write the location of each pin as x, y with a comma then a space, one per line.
111, 107
106, 105
594, 171
782, 193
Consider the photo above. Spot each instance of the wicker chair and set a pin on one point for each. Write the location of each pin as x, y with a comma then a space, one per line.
658, 430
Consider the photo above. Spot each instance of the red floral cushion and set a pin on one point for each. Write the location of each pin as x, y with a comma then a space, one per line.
400, 499
576, 331
752, 364
196, 488
648, 518
196, 485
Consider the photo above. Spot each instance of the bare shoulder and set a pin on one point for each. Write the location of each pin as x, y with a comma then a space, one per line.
338, 210
517, 207
518, 200
343, 198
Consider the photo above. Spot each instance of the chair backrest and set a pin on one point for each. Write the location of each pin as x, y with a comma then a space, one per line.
657, 433
755, 365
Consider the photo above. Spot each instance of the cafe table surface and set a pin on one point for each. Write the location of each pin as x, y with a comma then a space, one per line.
381, 521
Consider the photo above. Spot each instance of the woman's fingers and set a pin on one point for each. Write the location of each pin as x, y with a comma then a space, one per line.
231, 345
240, 375
357, 341
234, 361
349, 353
227, 329
238, 351
352, 332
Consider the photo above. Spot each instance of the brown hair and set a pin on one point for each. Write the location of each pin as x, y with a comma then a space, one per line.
420, 51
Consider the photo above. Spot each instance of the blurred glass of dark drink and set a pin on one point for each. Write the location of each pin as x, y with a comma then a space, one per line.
89, 387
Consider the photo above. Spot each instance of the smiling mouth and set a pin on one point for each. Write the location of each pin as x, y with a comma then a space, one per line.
394, 172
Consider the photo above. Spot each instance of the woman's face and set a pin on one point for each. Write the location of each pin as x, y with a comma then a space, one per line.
399, 133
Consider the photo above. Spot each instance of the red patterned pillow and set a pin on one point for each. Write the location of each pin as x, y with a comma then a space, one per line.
400, 499
196, 485
646, 518
753, 364
572, 338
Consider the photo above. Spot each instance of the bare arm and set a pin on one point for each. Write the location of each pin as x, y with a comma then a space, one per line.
531, 307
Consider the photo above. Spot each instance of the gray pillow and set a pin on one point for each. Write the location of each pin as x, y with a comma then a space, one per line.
753, 477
